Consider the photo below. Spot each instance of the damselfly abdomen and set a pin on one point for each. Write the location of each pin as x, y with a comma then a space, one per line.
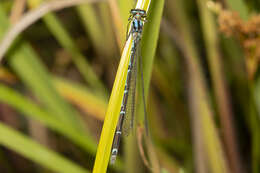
136, 20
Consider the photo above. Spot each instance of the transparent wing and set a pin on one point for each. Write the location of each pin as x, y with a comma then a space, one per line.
130, 106
140, 66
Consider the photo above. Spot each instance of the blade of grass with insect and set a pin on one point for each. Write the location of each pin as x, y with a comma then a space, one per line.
63, 37
111, 117
28, 67
112, 114
28, 148
31, 110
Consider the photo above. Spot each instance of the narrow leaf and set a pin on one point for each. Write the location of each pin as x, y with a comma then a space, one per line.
23, 145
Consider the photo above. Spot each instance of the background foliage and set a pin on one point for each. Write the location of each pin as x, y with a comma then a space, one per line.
201, 81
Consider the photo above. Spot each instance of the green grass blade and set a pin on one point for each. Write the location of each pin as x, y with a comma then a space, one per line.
111, 118
64, 38
240, 7
125, 7
31, 110
254, 122
28, 148
109, 37
67, 42
35, 76
150, 40
205, 135
91, 103
220, 90
117, 21
90, 20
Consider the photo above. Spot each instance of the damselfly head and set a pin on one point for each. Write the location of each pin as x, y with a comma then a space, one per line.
138, 13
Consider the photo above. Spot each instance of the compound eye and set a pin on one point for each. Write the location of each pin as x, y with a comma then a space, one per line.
133, 12
138, 11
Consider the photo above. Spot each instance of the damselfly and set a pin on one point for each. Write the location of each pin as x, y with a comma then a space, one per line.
136, 20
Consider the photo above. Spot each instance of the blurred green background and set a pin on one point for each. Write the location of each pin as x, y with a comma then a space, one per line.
203, 99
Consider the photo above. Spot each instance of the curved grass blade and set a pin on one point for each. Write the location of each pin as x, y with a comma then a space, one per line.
64, 38
112, 114
205, 134
82, 97
31, 110
220, 89
28, 148
110, 49
241, 8
117, 20
26, 64
125, 7
92, 26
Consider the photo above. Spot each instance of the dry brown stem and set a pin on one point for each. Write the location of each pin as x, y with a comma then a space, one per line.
248, 34
34, 15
